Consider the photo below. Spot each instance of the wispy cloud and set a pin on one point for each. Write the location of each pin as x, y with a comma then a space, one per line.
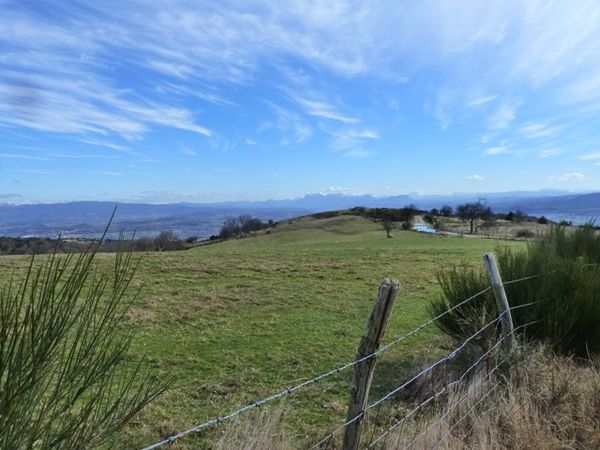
22, 156
569, 177
110, 173
590, 156
481, 100
548, 152
475, 177
40, 172
320, 108
352, 142
106, 144
289, 123
495, 151
85, 106
504, 115
539, 130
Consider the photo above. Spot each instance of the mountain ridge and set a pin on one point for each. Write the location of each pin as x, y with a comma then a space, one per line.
88, 218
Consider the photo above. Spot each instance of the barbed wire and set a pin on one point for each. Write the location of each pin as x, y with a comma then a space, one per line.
524, 305
439, 393
394, 391
450, 408
518, 280
288, 391
445, 388
464, 416
448, 357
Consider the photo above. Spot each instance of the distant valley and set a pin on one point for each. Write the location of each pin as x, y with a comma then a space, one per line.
88, 219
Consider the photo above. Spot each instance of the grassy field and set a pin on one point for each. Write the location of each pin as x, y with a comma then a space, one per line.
234, 321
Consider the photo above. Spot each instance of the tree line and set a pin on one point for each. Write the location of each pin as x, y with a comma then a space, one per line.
242, 225
164, 241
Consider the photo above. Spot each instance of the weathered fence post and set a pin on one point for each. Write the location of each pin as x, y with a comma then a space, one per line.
363, 371
508, 335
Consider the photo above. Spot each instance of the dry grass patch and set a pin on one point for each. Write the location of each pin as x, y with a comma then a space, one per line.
550, 402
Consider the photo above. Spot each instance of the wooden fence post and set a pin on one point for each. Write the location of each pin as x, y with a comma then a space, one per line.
363, 371
510, 340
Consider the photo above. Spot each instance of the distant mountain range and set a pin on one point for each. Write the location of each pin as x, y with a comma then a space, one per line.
88, 219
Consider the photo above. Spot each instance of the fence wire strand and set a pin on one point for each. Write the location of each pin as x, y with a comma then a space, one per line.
428, 369
450, 408
463, 417
440, 392
445, 388
290, 390
519, 280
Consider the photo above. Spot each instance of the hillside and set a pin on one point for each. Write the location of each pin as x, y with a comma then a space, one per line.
87, 219
236, 320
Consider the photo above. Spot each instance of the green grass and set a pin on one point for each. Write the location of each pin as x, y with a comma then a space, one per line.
234, 321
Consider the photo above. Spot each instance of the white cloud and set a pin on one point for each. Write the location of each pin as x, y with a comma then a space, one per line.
538, 130
364, 134
481, 100
504, 115
495, 151
590, 156
295, 129
475, 177
548, 152
110, 173
585, 89
189, 152
569, 177
106, 144
72, 62
83, 105
22, 156
351, 141
83, 156
320, 108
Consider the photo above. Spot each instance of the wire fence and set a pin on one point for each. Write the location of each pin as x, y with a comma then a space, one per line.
456, 382
389, 395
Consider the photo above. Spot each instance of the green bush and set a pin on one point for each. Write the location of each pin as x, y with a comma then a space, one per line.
525, 233
567, 291
62, 349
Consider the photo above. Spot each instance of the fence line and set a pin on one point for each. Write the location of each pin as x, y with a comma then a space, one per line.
450, 408
290, 390
524, 305
518, 280
449, 432
411, 380
447, 387
425, 402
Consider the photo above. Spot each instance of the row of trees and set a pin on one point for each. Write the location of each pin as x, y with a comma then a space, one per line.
242, 225
166, 240
471, 212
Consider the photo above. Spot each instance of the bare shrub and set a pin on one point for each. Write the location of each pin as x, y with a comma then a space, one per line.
550, 402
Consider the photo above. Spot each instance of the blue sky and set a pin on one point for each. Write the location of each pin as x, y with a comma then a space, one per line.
204, 101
